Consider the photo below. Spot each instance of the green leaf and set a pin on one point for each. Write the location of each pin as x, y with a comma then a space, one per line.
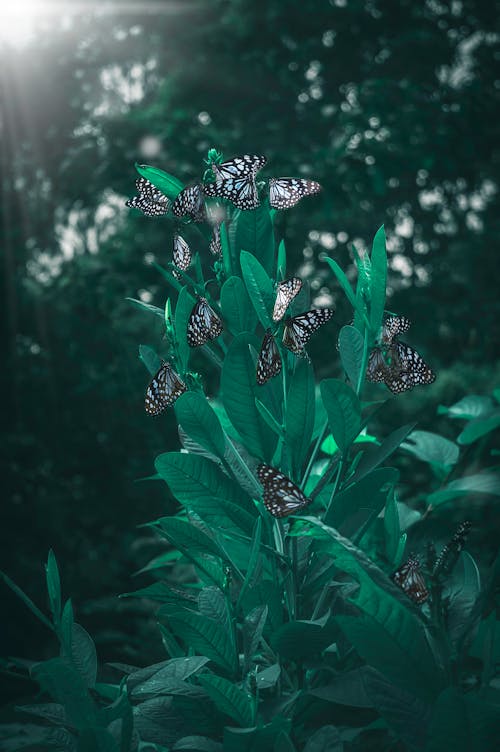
255, 234
253, 628
281, 273
196, 744
253, 559
378, 280
325, 739
212, 603
269, 418
450, 728
60, 679
432, 448
239, 390
462, 591
345, 284
268, 677
298, 640
300, 409
344, 412
150, 359
146, 307
376, 455
237, 310
479, 427
346, 688
472, 406
259, 287
228, 698
351, 353
53, 587
160, 677
226, 515
392, 528
483, 483
186, 537
205, 636
168, 184
193, 477
183, 308
200, 422
83, 654
270, 593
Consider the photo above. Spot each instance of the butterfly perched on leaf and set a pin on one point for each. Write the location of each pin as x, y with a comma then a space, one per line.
281, 496
190, 203
286, 192
299, 329
181, 255
203, 324
395, 363
164, 388
269, 362
235, 181
215, 242
285, 293
451, 551
409, 577
150, 201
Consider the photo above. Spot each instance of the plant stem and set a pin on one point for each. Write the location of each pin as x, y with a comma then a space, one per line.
312, 458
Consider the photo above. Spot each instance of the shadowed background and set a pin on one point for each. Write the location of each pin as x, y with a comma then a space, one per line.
393, 106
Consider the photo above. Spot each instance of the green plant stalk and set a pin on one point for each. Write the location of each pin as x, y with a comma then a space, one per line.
314, 453
364, 364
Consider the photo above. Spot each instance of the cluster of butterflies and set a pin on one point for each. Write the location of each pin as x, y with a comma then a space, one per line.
234, 180
409, 575
395, 363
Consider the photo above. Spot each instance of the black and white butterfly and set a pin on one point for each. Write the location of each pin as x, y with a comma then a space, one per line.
409, 577
190, 202
269, 362
215, 242
150, 201
203, 324
285, 293
451, 551
235, 181
165, 387
299, 329
281, 496
392, 327
181, 255
286, 192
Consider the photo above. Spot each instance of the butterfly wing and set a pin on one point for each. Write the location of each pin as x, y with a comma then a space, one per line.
181, 255
164, 388
411, 371
240, 191
286, 192
285, 293
215, 242
203, 324
281, 496
377, 368
151, 201
190, 202
410, 579
269, 362
299, 329
394, 326
247, 165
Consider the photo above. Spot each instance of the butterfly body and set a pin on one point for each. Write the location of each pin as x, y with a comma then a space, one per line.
409, 577
164, 388
299, 329
286, 291
190, 202
281, 496
286, 192
269, 362
203, 324
150, 201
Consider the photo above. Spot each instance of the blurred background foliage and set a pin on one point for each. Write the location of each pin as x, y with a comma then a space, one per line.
392, 105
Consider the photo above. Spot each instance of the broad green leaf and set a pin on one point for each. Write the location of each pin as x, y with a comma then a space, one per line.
53, 587
479, 427
268, 677
344, 412
197, 744
212, 603
432, 448
239, 390
392, 528
237, 310
255, 234
259, 287
463, 588
253, 628
206, 637
451, 727
329, 445
160, 677
480, 483
199, 420
150, 359
49, 711
300, 408
228, 698
269, 593
344, 283
160, 721
376, 455
15, 737
83, 654
193, 477
472, 406
226, 515
60, 679
346, 688
269, 418
186, 537
378, 280
281, 272
183, 308
168, 184
298, 640
146, 307
256, 738
325, 739
351, 353
254, 561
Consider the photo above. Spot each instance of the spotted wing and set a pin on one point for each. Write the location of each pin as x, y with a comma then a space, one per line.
151, 201
394, 326
247, 165
299, 329
215, 242
190, 202
181, 255
285, 293
240, 191
281, 496
408, 370
286, 192
377, 368
409, 577
203, 324
269, 362
164, 388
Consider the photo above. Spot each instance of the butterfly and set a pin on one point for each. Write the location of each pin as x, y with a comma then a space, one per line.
449, 555
181, 255
203, 324
151, 201
286, 192
285, 293
281, 496
215, 242
190, 202
410, 579
165, 387
269, 362
235, 180
299, 329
